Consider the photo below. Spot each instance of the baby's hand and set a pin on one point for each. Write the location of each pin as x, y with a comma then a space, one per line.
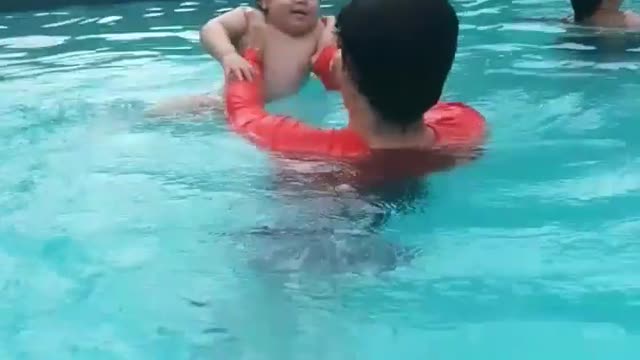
328, 36
236, 66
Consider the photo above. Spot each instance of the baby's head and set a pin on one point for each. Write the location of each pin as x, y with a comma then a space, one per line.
584, 9
294, 17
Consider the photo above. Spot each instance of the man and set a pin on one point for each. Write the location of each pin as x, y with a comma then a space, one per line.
393, 62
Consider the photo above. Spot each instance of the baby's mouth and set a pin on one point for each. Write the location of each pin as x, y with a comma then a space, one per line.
299, 12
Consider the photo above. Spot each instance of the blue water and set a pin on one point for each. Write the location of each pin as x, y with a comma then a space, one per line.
123, 237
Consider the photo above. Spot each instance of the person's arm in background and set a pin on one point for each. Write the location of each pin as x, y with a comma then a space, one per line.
632, 20
218, 37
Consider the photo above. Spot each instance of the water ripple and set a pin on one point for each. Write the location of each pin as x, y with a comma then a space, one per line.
62, 23
533, 27
109, 19
13, 55
150, 15
187, 35
88, 21
472, 13
33, 41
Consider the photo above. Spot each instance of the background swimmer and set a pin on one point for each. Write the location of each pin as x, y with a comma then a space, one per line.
604, 32
292, 34
604, 13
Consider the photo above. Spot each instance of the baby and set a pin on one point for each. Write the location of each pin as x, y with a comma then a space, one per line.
292, 36
604, 13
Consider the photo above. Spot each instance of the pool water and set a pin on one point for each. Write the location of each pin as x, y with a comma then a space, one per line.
123, 237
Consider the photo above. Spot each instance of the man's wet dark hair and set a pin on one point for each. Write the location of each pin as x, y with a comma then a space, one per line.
260, 6
584, 9
398, 53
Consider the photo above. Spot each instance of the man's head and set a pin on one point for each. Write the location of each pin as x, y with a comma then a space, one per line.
294, 17
584, 9
397, 54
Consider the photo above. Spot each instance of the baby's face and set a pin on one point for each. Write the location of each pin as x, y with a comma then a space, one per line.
294, 17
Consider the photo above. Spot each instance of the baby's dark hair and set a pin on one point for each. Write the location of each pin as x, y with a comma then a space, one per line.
584, 9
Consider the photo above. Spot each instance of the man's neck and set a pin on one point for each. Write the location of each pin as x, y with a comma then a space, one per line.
368, 125
419, 137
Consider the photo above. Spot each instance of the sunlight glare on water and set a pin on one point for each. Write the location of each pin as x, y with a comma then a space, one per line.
123, 237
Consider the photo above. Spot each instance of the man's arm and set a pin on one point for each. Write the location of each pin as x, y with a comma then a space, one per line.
326, 65
325, 62
244, 102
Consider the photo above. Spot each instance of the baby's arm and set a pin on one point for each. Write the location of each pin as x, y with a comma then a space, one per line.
218, 34
218, 37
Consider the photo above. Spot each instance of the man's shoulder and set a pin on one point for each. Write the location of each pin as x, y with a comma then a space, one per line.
453, 110
456, 122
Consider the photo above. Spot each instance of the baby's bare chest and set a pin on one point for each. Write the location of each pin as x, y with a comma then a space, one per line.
289, 56
287, 62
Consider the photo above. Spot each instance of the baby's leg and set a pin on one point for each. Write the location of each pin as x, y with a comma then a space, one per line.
192, 105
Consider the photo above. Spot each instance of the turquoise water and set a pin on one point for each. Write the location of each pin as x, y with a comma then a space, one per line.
127, 238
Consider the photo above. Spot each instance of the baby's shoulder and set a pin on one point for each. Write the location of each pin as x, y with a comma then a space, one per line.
240, 10
245, 11
244, 8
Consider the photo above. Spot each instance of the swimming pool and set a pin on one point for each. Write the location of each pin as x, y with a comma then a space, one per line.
126, 238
